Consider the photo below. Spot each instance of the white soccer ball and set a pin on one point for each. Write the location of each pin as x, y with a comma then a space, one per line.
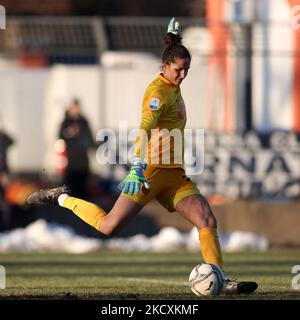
207, 280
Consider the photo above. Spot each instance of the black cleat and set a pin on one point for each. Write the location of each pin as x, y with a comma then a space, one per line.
235, 287
47, 196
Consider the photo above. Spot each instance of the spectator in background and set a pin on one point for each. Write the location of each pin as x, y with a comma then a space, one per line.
5, 142
76, 133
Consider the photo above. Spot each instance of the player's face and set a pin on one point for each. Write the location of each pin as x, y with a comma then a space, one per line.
176, 71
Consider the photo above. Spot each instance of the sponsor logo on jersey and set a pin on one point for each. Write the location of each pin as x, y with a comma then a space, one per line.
154, 103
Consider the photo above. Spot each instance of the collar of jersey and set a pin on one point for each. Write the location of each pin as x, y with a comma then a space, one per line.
162, 78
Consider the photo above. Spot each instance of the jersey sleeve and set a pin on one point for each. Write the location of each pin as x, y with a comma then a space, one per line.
153, 107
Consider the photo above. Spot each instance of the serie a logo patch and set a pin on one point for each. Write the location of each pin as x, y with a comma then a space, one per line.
154, 103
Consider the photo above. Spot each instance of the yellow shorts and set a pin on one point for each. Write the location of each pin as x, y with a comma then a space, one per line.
167, 185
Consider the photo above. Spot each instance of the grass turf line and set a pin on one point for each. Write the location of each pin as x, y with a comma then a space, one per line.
109, 274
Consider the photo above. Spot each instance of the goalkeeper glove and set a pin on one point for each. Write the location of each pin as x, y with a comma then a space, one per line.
132, 183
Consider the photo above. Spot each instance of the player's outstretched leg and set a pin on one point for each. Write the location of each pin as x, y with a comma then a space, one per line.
123, 211
87, 211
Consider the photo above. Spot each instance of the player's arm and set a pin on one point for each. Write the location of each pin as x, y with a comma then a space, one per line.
149, 121
150, 115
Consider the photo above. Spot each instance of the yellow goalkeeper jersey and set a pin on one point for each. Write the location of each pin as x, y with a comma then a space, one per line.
161, 139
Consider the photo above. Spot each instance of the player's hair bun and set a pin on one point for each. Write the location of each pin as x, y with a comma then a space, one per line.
172, 39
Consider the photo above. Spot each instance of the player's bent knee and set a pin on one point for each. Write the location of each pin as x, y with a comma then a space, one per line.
206, 221
108, 229
203, 218
105, 231
212, 221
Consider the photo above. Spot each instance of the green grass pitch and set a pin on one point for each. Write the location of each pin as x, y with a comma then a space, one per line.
109, 274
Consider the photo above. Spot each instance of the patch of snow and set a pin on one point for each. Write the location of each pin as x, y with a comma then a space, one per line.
41, 236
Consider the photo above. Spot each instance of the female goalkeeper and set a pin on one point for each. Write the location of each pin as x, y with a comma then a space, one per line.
157, 170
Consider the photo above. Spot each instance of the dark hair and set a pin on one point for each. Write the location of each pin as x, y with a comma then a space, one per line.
75, 101
174, 49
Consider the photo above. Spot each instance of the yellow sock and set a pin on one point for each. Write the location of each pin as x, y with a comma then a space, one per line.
87, 211
210, 246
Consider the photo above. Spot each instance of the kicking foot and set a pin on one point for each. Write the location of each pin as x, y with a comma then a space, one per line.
235, 287
47, 196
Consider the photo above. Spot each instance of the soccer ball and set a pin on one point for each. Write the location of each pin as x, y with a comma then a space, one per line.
207, 280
